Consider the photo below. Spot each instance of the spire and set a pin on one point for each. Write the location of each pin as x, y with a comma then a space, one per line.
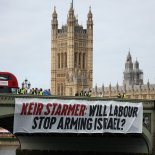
71, 11
54, 13
90, 13
72, 3
89, 19
54, 19
110, 86
148, 84
136, 64
129, 56
89, 9
117, 86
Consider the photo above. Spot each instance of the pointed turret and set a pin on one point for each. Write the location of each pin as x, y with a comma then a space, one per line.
54, 19
110, 86
90, 15
54, 15
136, 64
72, 4
132, 75
129, 64
90, 44
129, 58
71, 12
148, 85
54, 32
117, 86
128, 72
90, 19
138, 74
71, 7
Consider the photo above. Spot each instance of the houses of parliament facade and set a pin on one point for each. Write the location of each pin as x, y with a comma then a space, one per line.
72, 54
133, 85
72, 63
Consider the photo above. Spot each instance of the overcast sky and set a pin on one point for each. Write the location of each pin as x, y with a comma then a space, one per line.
25, 37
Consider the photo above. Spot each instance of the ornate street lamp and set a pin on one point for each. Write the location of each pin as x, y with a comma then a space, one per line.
26, 84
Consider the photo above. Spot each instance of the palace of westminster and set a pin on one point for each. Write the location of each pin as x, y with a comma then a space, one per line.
72, 63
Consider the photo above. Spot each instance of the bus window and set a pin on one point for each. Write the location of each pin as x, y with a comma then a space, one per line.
4, 77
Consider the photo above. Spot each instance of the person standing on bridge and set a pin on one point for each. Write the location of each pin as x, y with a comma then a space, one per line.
40, 91
119, 95
124, 95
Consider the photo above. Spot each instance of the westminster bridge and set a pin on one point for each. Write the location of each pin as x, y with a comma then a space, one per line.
133, 143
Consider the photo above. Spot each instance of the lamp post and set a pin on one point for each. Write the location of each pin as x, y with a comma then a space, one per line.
26, 84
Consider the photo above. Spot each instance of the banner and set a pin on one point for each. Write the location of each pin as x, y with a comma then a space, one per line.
34, 115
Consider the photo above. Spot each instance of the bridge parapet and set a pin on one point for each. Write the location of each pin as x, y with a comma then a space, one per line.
148, 105
10, 99
7, 104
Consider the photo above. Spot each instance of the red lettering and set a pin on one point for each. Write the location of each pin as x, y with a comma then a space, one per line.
82, 110
24, 109
64, 109
54, 106
35, 108
58, 111
39, 109
30, 109
77, 109
48, 109
71, 109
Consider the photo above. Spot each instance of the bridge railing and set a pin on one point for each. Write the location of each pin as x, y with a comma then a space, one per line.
9, 98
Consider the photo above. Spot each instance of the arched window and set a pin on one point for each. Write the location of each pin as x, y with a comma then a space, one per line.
80, 60
66, 60
58, 60
84, 60
61, 60
75, 60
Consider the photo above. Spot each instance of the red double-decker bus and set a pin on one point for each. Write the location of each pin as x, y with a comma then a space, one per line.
8, 83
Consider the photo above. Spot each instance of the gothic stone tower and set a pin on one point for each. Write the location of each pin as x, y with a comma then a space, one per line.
71, 55
132, 74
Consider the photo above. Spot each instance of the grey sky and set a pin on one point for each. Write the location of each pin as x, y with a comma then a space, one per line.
25, 36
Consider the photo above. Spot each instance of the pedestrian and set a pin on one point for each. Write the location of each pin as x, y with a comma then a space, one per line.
40, 91
119, 95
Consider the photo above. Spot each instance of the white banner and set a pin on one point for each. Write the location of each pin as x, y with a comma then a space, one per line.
34, 115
